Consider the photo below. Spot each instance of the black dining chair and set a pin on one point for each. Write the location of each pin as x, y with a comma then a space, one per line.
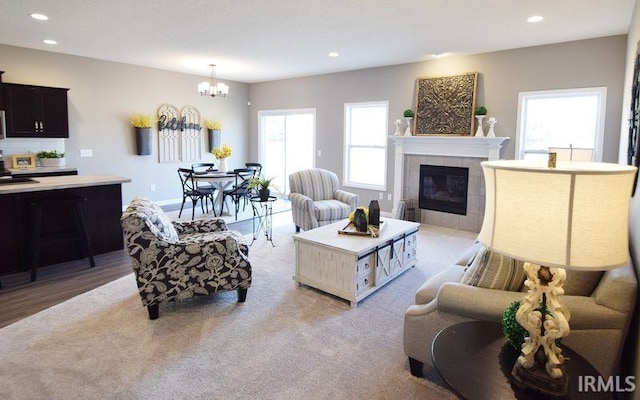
240, 190
192, 191
257, 168
203, 169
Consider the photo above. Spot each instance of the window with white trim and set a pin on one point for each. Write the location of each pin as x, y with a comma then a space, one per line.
365, 150
560, 118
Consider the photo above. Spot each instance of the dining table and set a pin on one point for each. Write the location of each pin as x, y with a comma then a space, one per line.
219, 180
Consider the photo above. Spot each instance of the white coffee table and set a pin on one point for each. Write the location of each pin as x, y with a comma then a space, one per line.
353, 267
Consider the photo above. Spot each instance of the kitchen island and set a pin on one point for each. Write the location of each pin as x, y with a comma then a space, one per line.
102, 210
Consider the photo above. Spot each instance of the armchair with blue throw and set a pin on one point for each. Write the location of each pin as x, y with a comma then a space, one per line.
175, 260
316, 199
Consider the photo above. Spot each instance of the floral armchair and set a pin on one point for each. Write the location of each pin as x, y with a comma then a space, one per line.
178, 260
316, 199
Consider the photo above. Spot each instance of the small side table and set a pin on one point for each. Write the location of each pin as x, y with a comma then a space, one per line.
262, 217
475, 359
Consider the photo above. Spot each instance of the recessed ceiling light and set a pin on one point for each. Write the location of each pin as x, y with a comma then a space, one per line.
39, 17
334, 54
535, 18
49, 41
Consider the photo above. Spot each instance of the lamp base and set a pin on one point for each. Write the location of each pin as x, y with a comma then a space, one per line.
537, 379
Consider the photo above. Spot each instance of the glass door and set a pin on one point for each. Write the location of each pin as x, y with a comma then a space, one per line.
287, 140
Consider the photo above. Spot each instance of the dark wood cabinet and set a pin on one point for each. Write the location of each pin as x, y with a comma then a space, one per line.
36, 111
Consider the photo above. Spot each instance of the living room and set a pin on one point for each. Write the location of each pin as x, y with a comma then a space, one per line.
104, 94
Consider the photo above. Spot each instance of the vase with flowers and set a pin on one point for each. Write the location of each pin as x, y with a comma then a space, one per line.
214, 133
221, 154
144, 138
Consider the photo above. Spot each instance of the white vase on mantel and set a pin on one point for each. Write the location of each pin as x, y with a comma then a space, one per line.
398, 124
491, 121
407, 131
479, 131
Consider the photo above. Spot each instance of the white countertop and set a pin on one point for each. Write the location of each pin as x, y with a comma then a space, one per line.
40, 170
62, 182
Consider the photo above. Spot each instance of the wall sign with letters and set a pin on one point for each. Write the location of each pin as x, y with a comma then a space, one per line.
179, 134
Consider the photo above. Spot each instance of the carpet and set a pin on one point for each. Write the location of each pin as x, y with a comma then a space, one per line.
284, 342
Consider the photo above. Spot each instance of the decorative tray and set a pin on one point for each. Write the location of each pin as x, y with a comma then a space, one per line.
350, 229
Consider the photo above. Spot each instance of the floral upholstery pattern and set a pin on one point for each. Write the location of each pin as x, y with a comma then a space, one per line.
179, 260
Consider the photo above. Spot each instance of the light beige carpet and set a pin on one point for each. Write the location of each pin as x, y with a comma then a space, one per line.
285, 342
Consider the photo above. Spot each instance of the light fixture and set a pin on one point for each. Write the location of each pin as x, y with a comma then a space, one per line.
39, 17
212, 87
334, 54
49, 41
571, 216
535, 18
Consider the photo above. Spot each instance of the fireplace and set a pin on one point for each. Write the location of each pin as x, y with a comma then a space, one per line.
449, 151
443, 189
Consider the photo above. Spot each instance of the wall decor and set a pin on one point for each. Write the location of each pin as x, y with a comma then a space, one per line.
179, 134
445, 105
633, 149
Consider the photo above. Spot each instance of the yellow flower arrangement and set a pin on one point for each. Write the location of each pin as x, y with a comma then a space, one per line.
213, 125
143, 121
222, 152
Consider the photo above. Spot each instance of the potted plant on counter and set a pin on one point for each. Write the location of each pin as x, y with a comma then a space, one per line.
142, 124
52, 158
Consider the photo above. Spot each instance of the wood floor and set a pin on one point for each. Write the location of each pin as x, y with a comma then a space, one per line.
20, 298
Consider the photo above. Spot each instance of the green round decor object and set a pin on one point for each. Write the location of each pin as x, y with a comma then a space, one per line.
513, 331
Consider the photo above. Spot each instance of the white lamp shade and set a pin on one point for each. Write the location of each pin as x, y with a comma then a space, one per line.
574, 216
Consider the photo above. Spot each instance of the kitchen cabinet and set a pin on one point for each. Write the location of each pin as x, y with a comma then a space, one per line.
36, 111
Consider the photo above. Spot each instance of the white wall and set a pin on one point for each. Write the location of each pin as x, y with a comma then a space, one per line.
586, 63
102, 96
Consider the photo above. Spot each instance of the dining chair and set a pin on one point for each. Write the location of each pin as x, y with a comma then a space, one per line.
257, 167
192, 191
240, 190
202, 169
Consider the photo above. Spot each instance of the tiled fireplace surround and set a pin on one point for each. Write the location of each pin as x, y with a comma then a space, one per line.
467, 152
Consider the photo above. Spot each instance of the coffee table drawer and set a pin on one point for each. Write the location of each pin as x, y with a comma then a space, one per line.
366, 264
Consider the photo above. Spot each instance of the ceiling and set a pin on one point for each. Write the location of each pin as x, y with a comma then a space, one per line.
262, 40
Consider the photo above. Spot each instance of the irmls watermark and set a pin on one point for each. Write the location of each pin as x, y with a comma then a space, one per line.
611, 384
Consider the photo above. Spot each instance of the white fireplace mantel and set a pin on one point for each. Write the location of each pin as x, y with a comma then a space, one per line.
456, 146
445, 146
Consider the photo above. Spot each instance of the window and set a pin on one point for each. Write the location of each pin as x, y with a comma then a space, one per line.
560, 118
365, 152
287, 140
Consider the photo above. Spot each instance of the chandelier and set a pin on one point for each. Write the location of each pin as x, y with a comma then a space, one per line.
212, 87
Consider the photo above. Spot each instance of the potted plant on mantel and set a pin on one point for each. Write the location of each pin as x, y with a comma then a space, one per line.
408, 115
142, 124
214, 133
52, 158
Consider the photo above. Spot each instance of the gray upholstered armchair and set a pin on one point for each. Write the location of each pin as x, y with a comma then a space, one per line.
316, 199
179, 260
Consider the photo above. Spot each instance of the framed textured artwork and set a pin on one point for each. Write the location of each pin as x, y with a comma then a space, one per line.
445, 104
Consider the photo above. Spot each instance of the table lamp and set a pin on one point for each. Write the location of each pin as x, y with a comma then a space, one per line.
571, 216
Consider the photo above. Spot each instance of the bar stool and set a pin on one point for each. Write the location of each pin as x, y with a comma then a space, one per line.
55, 204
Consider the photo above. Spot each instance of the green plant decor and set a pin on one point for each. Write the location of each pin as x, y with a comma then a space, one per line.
261, 183
50, 154
408, 113
511, 328
481, 110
